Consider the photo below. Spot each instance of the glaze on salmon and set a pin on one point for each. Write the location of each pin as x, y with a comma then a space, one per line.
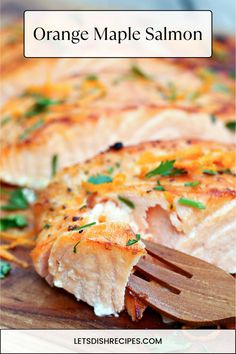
104, 101
179, 193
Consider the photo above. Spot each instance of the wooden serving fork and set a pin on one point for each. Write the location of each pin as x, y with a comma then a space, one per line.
183, 287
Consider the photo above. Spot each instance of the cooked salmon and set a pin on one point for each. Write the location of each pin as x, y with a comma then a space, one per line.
17, 72
223, 58
92, 217
107, 101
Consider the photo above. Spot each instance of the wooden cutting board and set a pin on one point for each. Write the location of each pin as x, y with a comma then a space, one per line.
27, 301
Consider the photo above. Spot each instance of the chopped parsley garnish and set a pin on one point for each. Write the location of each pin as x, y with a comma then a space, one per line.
226, 171
5, 120
41, 105
75, 247
110, 170
159, 187
117, 164
91, 77
218, 87
138, 72
126, 202
163, 169
172, 92
54, 165
47, 226
99, 179
166, 168
191, 203
4, 269
135, 72
31, 129
133, 241
231, 125
20, 198
192, 184
78, 228
193, 95
12, 221
176, 172
209, 172
213, 118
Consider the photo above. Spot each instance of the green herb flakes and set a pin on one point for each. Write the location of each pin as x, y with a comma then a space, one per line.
191, 203
209, 172
4, 269
166, 168
231, 125
110, 170
78, 228
159, 187
75, 247
91, 77
99, 179
172, 92
136, 71
192, 96
20, 198
31, 129
41, 105
5, 120
133, 241
10, 221
163, 169
218, 87
47, 226
192, 184
213, 118
54, 165
126, 202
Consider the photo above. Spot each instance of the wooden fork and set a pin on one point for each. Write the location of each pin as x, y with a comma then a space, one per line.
183, 287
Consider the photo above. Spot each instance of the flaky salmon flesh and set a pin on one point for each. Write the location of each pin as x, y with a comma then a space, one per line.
18, 73
93, 216
104, 101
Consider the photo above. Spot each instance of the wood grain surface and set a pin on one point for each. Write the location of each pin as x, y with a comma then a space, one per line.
27, 301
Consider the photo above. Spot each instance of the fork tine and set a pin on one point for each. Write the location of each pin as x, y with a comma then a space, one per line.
177, 282
180, 307
162, 275
179, 261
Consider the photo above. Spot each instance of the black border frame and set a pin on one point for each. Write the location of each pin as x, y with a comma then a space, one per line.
117, 11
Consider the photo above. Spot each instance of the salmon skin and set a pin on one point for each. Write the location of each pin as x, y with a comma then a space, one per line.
92, 217
104, 101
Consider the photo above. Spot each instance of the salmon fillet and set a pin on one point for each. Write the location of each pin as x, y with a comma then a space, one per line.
105, 101
223, 58
178, 193
18, 73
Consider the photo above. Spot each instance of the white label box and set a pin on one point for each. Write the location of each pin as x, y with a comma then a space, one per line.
117, 34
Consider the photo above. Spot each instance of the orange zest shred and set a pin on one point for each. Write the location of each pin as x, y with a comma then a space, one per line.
49, 89
9, 257
193, 159
13, 241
